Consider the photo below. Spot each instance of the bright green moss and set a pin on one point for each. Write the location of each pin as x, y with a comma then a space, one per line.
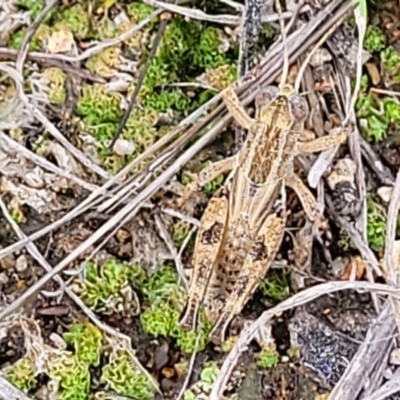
138, 10
392, 110
275, 286
268, 358
22, 375
376, 225
391, 62
17, 38
101, 288
77, 20
35, 6
377, 120
375, 39
122, 376
98, 106
70, 377
166, 300
86, 340
202, 388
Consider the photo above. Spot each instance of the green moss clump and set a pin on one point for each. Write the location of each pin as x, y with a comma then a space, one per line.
123, 376
371, 109
16, 39
102, 287
98, 106
203, 387
376, 225
166, 300
57, 79
104, 63
275, 286
22, 375
86, 339
35, 6
391, 61
268, 358
138, 10
75, 19
375, 39
70, 377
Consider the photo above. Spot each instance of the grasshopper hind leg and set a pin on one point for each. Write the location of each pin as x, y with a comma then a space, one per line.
208, 243
262, 253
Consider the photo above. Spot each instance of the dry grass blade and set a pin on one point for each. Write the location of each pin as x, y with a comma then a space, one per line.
298, 299
9, 392
195, 14
42, 162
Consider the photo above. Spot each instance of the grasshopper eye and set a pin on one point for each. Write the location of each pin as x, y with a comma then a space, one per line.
266, 95
298, 108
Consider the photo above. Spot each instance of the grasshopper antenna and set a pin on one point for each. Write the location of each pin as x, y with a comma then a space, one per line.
314, 49
285, 69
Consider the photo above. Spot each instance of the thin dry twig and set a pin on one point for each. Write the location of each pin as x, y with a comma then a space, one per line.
191, 365
42, 162
192, 13
392, 267
6, 53
9, 392
298, 299
172, 249
390, 387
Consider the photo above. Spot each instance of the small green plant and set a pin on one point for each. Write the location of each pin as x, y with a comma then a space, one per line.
35, 6
86, 339
203, 387
391, 61
375, 39
372, 111
75, 19
104, 285
275, 286
376, 225
180, 231
268, 358
166, 300
70, 378
22, 375
17, 38
123, 376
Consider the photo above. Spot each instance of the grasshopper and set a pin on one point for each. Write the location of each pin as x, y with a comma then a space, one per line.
243, 225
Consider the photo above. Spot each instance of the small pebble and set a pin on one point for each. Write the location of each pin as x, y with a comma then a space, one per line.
395, 357
21, 264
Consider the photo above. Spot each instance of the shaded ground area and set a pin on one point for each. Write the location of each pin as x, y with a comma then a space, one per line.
108, 327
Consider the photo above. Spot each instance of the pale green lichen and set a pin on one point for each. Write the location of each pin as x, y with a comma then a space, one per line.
104, 287
375, 39
86, 339
105, 63
123, 376
76, 19
202, 389
268, 358
22, 375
